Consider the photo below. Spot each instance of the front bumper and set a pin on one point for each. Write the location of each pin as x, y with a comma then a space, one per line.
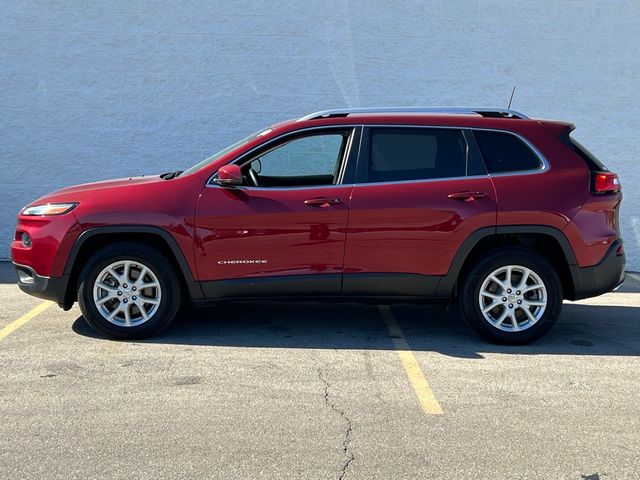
46, 288
601, 278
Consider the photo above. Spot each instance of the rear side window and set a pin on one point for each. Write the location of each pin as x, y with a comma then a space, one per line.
398, 154
504, 152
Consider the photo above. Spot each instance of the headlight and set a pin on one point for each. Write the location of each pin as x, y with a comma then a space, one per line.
49, 209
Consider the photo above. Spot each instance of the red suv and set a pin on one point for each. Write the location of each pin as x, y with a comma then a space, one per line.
506, 215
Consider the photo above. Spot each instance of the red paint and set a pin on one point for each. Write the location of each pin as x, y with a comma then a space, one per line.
230, 174
414, 227
410, 227
169, 204
270, 224
51, 238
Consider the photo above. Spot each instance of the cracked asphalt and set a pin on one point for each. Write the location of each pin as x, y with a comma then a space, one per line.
349, 456
312, 391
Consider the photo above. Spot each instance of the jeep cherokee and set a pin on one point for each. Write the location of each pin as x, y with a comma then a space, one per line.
504, 214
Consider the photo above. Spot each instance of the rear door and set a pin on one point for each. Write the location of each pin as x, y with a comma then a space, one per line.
419, 193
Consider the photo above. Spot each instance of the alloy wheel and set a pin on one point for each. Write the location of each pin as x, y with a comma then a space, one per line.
127, 293
513, 298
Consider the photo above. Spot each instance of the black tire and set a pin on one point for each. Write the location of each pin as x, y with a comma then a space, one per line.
155, 261
492, 261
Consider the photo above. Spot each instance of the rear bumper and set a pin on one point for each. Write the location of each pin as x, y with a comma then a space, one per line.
601, 278
46, 288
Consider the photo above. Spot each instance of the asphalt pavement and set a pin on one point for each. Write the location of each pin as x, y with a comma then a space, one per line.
316, 391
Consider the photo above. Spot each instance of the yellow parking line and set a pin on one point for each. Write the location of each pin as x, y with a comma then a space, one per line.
418, 381
16, 324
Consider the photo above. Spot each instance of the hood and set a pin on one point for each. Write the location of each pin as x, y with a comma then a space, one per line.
78, 192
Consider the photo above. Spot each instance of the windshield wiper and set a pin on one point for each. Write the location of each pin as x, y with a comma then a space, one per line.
170, 175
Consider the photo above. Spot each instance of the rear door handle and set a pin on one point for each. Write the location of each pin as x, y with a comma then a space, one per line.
467, 196
322, 202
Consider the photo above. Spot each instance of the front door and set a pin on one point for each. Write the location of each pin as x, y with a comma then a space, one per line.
283, 231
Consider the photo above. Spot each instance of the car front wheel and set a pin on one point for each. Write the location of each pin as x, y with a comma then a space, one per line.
128, 291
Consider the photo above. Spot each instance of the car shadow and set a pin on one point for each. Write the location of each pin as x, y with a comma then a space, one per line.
581, 329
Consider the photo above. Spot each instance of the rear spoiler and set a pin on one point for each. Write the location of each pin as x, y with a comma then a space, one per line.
556, 128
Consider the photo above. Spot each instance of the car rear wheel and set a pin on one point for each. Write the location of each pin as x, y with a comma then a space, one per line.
128, 291
512, 296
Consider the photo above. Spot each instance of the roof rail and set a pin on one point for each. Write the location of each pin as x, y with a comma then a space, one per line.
485, 112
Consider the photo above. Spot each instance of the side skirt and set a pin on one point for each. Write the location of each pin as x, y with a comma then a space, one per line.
372, 287
371, 300
276, 286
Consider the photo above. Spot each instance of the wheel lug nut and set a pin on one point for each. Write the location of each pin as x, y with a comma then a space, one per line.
511, 305
119, 293
125, 300
133, 288
519, 302
518, 292
134, 297
504, 299
508, 290
125, 285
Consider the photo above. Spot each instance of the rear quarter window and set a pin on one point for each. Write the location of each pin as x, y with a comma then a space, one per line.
591, 160
505, 152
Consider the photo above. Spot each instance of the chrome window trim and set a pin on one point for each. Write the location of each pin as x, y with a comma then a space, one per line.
422, 180
545, 164
346, 154
269, 189
544, 168
345, 157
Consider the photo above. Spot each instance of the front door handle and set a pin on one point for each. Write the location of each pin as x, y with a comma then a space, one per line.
467, 196
322, 202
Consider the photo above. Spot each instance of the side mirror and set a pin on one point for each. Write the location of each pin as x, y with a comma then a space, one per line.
229, 175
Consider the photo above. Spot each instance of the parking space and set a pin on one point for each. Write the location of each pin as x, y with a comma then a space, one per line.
249, 390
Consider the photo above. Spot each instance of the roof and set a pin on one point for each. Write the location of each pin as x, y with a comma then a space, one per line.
481, 111
461, 117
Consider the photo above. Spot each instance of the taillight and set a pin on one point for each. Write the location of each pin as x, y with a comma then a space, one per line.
605, 182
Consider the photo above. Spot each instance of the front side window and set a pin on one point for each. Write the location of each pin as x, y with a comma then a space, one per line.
303, 161
505, 152
399, 154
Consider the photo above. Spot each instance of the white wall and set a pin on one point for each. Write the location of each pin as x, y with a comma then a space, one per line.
108, 88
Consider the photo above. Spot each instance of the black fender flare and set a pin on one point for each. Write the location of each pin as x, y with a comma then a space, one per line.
195, 290
447, 284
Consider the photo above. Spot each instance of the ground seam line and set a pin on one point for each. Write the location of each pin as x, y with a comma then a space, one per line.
635, 276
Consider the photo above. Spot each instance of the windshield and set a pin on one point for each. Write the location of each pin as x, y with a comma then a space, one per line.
221, 153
